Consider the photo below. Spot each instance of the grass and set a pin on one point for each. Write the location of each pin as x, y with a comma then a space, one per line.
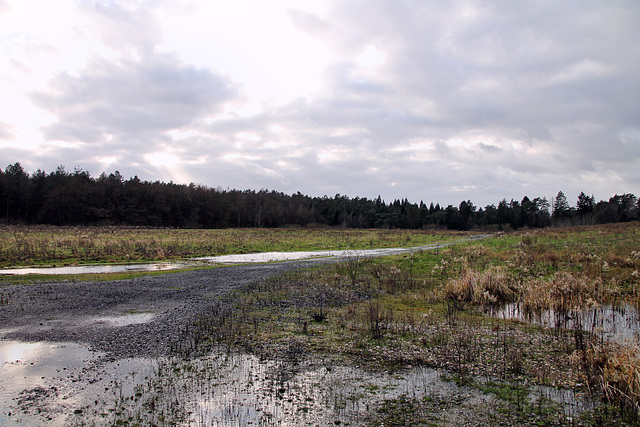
46, 245
433, 309
437, 309
18, 279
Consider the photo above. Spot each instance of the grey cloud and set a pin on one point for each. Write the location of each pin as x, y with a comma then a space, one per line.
442, 149
307, 22
435, 53
535, 132
341, 78
448, 76
4, 6
19, 65
133, 27
155, 94
501, 100
489, 148
6, 131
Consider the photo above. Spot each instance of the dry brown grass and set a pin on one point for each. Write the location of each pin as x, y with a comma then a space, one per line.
34, 245
564, 293
615, 369
489, 288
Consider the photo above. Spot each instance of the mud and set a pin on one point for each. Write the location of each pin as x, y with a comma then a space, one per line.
79, 312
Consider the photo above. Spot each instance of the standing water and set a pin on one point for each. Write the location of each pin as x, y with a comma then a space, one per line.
614, 322
222, 259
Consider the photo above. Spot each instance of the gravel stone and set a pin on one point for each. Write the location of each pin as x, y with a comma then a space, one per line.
71, 311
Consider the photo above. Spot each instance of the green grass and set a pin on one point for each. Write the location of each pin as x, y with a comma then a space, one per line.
391, 313
43, 245
88, 277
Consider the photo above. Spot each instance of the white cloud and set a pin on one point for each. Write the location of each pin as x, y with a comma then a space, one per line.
6, 131
583, 70
155, 94
441, 101
163, 159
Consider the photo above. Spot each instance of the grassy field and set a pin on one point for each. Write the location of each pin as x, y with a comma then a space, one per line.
438, 309
44, 245
435, 309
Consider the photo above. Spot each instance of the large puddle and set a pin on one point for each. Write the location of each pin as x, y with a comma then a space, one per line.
44, 383
224, 259
231, 389
67, 384
614, 322
94, 269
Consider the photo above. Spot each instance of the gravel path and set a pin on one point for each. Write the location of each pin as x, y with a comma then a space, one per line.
76, 311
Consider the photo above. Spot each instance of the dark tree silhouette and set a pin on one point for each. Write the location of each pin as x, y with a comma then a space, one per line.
64, 198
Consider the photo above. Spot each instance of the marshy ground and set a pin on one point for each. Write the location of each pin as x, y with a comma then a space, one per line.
414, 339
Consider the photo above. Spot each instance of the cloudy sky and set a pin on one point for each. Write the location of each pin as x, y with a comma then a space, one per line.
430, 100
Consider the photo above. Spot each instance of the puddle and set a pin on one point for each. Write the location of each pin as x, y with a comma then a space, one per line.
225, 259
239, 390
94, 269
232, 389
28, 370
123, 320
618, 322
293, 256
67, 384
46, 382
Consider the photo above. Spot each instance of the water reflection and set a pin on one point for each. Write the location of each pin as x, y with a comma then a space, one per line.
28, 371
222, 259
617, 322
62, 384
46, 383
123, 319
94, 269
292, 256
231, 389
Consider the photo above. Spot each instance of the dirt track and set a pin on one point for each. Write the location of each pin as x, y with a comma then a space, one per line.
72, 311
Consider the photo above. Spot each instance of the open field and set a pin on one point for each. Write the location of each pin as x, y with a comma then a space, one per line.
440, 310
511, 330
46, 245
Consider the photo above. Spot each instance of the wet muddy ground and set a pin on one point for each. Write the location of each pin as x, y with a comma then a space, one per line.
99, 353
101, 314
57, 339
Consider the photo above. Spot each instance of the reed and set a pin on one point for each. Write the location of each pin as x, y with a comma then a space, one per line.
614, 369
33, 245
566, 294
490, 288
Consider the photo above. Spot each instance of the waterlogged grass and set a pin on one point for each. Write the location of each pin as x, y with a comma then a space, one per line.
43, 245
392, 316
17, 279
433, 309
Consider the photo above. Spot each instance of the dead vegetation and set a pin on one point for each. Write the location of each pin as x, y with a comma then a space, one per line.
507, 316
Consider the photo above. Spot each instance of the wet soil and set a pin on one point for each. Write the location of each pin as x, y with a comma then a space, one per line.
75, 311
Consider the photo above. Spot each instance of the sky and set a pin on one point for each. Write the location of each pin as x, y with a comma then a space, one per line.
429, 100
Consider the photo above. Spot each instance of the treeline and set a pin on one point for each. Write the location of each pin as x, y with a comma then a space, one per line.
75, 198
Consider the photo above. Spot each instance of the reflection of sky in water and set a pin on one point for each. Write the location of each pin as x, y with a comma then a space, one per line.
291, 256
68, 374
123, 320
222, 259
25, 366
249, 391
619, 323
39, 359
92, 269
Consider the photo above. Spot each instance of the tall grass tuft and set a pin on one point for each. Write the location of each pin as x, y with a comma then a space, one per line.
614, 368
566, 295
489, 289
